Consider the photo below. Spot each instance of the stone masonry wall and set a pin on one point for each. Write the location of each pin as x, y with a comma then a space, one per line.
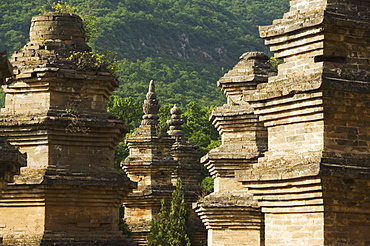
231, 214
314, 110
295, 229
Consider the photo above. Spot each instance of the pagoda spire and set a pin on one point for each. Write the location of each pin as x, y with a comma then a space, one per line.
151, 107
175, 123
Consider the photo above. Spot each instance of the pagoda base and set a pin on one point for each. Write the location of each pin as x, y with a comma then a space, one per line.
61, 214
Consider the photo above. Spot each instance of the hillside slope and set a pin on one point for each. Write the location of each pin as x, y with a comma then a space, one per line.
185, 45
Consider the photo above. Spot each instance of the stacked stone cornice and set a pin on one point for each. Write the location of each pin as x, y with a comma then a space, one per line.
332, 34
239, 127
230, 213
244, 137
251, 70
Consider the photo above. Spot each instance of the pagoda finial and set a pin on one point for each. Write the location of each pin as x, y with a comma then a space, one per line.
151, 107
175, 123
151, 87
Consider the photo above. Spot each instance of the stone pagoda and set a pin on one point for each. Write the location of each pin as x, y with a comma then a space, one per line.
11, 160
156, 160
230, 213
186, 155
151, 165
188, 169
55, 112
304, 181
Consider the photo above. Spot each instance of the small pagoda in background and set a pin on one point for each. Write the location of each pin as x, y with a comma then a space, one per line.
155, 162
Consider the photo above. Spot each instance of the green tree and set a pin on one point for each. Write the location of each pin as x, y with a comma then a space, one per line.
181, 44
158, 235
126, 109
164, 115
172, 228
198, 127
207, 184
179, 233
2, 98
129, 111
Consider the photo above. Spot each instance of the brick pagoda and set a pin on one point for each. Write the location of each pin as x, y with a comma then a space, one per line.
311, 185
155, 162
55, 111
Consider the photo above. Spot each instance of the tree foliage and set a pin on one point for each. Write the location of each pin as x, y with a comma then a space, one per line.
176, 83
130, 112
126, 109
172, 227
207, 31
198, 128
184, 45
2, 99
207, 184
159, 228
179, 233
58, 7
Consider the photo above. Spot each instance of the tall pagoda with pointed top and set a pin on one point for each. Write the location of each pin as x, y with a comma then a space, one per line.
188, 169
150, 165
155, 162
186, 154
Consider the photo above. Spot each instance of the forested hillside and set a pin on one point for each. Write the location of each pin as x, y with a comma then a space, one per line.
184, 45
